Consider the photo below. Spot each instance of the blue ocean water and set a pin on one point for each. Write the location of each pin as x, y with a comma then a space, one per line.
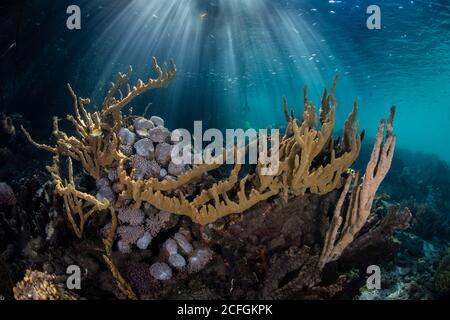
237, 58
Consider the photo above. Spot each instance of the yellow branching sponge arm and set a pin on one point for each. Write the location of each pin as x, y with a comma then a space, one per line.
362, 195
213, 203
123, 286
79, 206
114, 106
304, 142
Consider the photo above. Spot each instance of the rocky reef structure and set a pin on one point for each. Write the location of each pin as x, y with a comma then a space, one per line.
426, 181
147, 196
7, 196
7, 128
442, 276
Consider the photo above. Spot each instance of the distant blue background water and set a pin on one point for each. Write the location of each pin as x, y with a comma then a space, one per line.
237, 58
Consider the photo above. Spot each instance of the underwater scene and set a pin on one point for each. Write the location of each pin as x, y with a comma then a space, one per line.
224, 150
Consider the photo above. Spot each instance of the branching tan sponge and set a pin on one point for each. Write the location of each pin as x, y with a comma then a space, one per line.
361, 195
311, 161
96, 146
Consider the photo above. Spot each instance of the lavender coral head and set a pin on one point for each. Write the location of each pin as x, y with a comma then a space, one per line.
161, 271
132, 216
199, 259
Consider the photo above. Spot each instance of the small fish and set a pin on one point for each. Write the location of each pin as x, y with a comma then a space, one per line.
12, 46
142, 132
96, 133
204, 15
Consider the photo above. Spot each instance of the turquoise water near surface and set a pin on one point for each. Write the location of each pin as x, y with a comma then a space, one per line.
237, 58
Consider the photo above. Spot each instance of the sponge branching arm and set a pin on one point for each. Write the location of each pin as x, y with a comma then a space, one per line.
362, 195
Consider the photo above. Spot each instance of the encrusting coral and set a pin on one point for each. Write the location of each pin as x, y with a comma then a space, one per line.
38, 285
311, 161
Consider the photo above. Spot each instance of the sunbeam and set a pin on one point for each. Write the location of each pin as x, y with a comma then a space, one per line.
236, 58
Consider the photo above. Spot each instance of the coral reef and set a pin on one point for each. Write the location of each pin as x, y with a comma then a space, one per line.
428, 221
300, 147
442, 276
141, 189
410, 274
420, 182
